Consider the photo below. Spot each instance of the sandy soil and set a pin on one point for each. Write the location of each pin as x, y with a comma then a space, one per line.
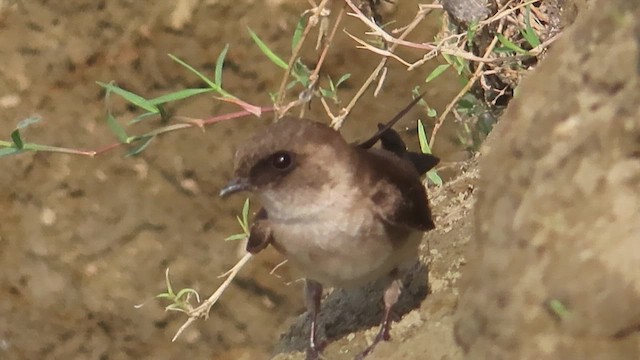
84, 240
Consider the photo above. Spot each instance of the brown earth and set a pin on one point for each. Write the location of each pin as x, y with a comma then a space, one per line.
84, 240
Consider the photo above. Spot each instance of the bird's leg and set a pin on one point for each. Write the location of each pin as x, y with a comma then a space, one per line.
313, 296
391, 296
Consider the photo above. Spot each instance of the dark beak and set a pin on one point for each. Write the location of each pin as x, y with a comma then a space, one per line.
235, 185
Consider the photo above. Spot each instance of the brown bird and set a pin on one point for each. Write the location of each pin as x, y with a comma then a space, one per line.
345, 215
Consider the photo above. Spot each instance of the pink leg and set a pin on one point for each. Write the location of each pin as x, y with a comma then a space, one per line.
391, 296
313, 297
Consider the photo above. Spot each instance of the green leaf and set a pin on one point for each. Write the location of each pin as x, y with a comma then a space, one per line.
301, 72
141, 117
245, 214
116, 128
208, 81
433, 176
144, 142
135, 99
422, 137
186, 291
471, 32
431, 112
326, 93
17, 140
168, 283
179, 95
23, 124
437, 72
297, 34
267, 51
559, 308
529, 33
510, 45
219, 64
236, 237
10, 151
342, 79
244, 226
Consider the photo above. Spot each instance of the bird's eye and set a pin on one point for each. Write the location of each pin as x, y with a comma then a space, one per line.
282, 160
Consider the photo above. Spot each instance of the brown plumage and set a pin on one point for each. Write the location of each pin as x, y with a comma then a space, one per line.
343, 214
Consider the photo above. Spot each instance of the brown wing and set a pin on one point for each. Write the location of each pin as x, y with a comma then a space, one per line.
398, 193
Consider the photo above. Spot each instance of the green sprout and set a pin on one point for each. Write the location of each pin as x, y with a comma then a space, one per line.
244, 224
558, 308
332, 91
179, 300
432, 174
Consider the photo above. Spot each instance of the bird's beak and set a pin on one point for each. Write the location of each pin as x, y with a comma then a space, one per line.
235, 185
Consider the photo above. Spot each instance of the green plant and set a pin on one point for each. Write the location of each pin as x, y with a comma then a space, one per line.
244, 224
432, 174
180, 300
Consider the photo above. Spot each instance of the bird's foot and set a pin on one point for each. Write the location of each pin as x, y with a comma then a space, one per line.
383, 335
314, 350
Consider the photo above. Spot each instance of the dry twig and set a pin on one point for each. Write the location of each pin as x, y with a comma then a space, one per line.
202, 311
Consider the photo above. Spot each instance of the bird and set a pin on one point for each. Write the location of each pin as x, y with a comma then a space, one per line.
344, 214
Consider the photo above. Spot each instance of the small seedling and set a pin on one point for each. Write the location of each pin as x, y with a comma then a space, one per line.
432, 174
244, 224
179, 301
558, 308
332, 92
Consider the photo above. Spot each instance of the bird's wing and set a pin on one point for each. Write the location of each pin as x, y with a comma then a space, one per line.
399, 197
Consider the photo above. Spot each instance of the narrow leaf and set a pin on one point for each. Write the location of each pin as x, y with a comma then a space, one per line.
471, 32
168, 282
244, 226
433, 176
267, 51
116, 128
559, 308
144, 142
135, 99
208, 81
219, 64
178, 95
510, 45
141, 117
23, 124
245, 213
301, 72
422, 137
186, 291
236, 237
297, 34
529, 33
342, 79
10, 151
437, 72
17, 140
326, 93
